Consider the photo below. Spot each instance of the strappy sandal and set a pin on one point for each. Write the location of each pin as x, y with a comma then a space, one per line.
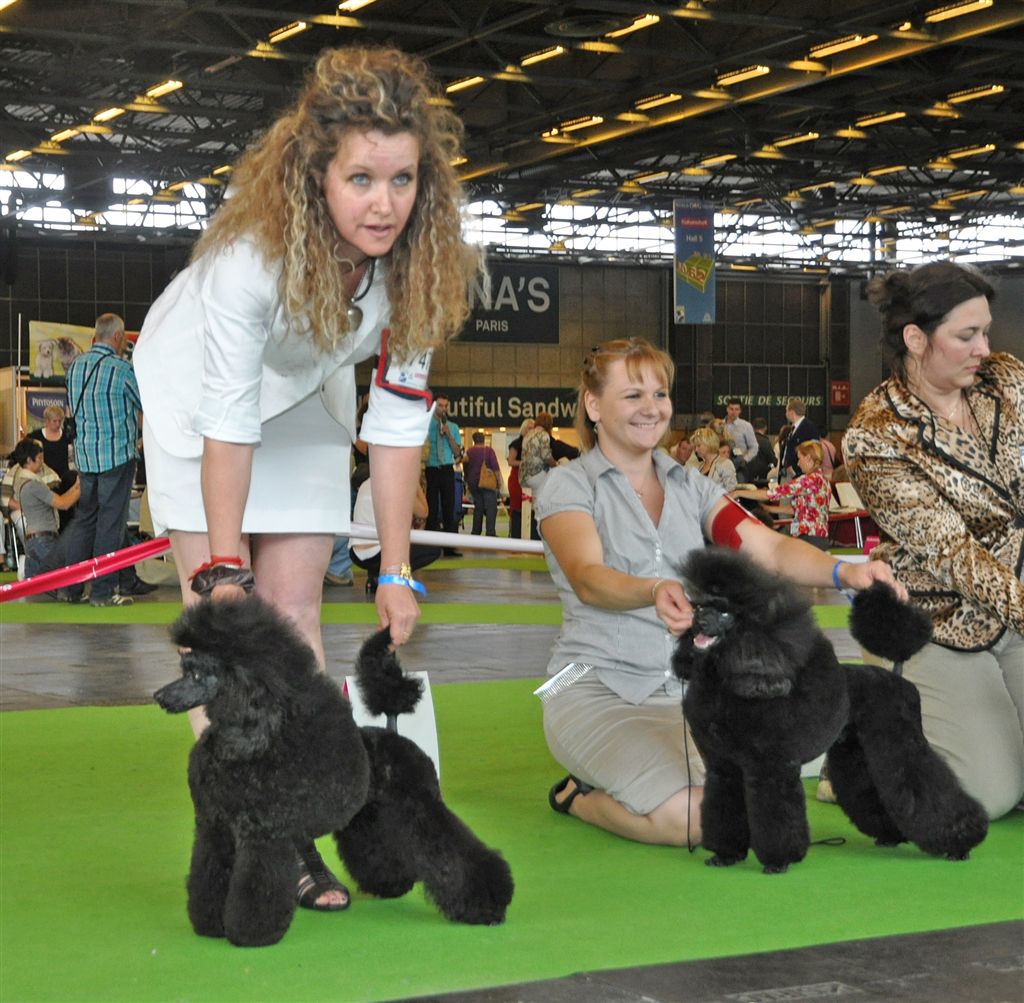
563, 806
315, 879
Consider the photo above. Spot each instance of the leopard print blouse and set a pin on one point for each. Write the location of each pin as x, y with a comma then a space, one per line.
950, 504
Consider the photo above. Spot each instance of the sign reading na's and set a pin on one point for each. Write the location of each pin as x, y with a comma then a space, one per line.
519, 303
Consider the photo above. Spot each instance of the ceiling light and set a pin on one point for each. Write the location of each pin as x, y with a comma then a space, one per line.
738, 76
696, 172
955, 10
737, 267
817, 186
528, 207
942, 109
656, 100
585, 193
971, 151
595, 46
107, 114
351, 6
644, 21
555, 136
722, 158
977, 193
863, 180
583, 122
850, 133
803, 137
542, 54
59, 137
280, 34
632, 116
973, 93
159, 90
942, 205
223, 169
893, 209
840, 45
712, 94
769, 152
885, 116
461, 85
458, 161
879, 171
19, 155
642, 179
941, 164
6, 3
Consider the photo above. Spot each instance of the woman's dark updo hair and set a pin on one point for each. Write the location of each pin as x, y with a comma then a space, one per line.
922, 296
26, 451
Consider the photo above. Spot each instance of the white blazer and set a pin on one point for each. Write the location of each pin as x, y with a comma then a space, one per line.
217, 356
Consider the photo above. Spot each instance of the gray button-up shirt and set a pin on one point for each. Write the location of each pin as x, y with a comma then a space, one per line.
629, 649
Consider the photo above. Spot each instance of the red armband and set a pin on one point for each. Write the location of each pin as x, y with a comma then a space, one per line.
723, 526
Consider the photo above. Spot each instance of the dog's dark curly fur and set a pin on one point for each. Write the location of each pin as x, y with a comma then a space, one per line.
283, 762
765, 694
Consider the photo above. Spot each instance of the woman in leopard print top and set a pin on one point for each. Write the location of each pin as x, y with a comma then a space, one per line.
937, 454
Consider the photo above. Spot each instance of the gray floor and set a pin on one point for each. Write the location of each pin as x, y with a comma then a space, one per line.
51, 665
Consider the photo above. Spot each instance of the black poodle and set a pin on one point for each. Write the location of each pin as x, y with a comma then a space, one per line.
283, 762
764, 693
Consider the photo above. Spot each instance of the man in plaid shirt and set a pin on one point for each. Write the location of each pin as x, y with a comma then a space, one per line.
104, 397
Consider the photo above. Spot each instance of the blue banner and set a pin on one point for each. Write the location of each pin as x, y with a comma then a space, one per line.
694, 266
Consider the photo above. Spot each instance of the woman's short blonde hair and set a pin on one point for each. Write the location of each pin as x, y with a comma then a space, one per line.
814, 450
637, 355
705, 436
53, 411
276, 198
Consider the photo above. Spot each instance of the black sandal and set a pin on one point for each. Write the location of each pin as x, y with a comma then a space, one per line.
563, 806
315, 879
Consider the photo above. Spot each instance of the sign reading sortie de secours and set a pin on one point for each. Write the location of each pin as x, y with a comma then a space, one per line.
694, 270
518, 302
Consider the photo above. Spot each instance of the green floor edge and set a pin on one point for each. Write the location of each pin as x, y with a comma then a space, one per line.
96, 825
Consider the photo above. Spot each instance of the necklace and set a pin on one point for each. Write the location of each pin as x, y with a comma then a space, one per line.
955, 407
354, 313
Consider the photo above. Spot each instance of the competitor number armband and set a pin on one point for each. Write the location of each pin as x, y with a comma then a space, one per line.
406, 378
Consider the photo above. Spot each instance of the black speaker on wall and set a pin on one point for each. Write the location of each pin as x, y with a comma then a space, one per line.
8, 255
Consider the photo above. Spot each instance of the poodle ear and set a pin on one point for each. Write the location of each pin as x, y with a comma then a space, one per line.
887, 627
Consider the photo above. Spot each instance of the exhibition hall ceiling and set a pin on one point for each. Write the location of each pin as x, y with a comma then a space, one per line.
893, 118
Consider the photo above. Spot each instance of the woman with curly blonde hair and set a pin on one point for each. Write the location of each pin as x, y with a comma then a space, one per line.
340, 239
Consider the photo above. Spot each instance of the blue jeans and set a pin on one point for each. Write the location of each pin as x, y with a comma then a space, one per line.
485, 502
341, 563
99, 525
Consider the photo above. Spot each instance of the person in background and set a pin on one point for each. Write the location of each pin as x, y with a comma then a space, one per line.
804, 430
104, 394
741, 433
366, 555
444, 441
809, 494
537, 460
45, 548
485, 500
57, 454
713, 464
759, 468
936, 452
684, 452
515, 490
617, 524
342, 240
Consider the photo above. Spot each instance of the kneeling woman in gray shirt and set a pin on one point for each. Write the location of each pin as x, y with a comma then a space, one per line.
616, 524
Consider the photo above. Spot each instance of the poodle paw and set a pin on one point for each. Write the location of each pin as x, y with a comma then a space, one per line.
966, 855
775, 868
721, 860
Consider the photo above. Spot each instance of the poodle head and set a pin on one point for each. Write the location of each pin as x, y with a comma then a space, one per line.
246, 664
751, 630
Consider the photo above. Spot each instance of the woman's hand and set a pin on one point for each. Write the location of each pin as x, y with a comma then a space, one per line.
672, 606
398, 610
862, 576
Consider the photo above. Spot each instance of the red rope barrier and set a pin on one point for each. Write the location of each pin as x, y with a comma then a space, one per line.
94, 567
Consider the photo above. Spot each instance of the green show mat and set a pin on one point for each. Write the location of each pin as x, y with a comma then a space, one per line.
97, 825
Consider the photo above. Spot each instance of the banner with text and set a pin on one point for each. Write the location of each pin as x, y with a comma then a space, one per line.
519, 303
509, 406
694, 271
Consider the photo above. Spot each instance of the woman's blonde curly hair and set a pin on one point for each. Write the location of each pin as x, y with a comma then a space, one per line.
277, 199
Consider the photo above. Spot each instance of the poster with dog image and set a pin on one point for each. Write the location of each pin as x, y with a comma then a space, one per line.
53, 347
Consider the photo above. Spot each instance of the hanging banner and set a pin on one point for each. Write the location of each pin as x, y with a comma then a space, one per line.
694, 271
53, 347
520, 303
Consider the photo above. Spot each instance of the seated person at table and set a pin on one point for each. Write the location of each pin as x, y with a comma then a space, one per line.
366, 555
708, 447
809, 494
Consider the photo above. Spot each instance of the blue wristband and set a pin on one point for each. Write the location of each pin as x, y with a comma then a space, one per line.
835, 575
402, 580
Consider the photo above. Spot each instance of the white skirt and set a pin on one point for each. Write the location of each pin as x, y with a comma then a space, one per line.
300, 478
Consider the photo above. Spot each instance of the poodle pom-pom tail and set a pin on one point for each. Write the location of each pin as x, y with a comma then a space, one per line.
385, 688
887, 627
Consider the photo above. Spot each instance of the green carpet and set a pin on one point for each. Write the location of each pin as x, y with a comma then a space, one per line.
96, 829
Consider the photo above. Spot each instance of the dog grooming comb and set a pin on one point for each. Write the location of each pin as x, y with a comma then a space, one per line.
561, 681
